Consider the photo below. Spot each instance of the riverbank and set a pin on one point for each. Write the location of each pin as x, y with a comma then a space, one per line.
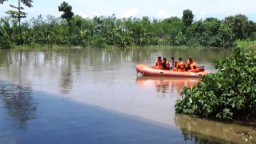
242, 43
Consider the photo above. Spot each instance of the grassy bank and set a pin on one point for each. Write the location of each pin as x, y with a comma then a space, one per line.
248, 44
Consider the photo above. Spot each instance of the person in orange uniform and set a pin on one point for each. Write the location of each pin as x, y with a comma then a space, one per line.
180, 66
158, 64
192, 66
165, 64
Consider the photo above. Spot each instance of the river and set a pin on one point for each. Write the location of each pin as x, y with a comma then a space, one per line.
93, 95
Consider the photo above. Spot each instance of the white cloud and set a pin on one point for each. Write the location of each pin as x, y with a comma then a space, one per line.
137, 8
130, 12
200, 15
163, 14
220, 9
91, 15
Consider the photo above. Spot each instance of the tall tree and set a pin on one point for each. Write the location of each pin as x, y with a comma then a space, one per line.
239, 25
18, 13
67, 11
2, 1
187, 17
67, 15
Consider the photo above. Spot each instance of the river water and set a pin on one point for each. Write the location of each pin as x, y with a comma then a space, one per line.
95, 96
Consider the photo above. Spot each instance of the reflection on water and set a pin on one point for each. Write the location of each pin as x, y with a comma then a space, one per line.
19, 103
105, 79
66, 78
61, 121
166, 85
212, 131
195, 129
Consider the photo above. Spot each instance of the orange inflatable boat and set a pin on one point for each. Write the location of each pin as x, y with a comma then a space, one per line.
150, 71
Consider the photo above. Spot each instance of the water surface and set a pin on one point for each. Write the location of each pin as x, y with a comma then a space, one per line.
96, 96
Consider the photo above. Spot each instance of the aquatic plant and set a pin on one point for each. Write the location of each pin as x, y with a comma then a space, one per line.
228, 94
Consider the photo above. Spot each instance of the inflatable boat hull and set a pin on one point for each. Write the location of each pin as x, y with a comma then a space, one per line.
150, 71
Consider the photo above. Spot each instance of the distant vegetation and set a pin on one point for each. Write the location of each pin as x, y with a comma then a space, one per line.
74, 30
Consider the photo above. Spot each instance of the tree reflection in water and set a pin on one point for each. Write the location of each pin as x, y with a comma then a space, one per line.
212, 132
66, 80
19, 103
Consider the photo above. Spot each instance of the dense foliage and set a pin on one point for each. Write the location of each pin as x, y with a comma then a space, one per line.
70, 29
228, 94
18, 14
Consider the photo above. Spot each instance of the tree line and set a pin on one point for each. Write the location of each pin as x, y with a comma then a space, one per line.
102, 31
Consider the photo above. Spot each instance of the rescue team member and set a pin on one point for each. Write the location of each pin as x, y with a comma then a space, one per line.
180, 66
173, 63
192, 66
158, 64
165, 64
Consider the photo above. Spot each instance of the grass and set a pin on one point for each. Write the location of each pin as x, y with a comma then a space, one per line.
44, 47
248, 44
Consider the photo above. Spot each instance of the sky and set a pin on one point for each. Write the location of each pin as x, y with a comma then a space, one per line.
157, 9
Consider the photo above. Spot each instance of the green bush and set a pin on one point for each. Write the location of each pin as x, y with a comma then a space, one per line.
226, 95
98, 41
5, 42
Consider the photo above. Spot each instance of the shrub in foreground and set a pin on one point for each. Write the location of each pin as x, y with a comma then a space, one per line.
228, 94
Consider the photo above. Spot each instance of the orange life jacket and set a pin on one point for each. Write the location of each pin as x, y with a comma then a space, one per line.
181, 66
194, 67
158, 64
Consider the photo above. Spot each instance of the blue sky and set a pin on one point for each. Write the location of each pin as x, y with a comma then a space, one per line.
158, 9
